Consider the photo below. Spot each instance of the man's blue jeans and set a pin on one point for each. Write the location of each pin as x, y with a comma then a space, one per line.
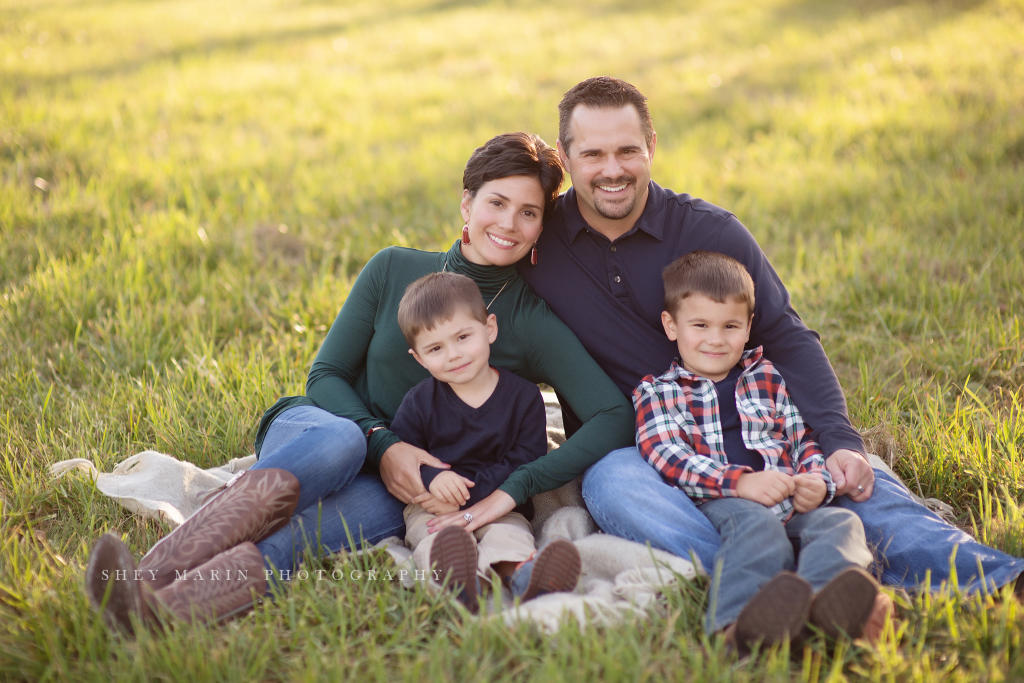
326, 454
756, 546
628, 498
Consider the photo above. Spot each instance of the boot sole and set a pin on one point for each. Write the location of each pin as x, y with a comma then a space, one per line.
778, 610
845, 604
454, 553
116, 598
556, 569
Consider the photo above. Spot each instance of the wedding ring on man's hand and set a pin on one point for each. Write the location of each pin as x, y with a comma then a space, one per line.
860, 488
469, 515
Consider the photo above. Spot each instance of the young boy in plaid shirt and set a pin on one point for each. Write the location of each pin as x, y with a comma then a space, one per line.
720, 426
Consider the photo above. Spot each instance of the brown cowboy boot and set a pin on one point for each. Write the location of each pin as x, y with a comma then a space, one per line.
111, 582
218, 589
251, 507
846, 604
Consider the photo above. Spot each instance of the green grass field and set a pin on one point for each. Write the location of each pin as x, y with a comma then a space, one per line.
188, 188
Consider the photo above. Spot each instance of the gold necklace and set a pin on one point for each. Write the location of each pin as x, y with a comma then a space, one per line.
488, 306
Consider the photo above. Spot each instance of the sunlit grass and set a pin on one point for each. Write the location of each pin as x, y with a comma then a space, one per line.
187, 189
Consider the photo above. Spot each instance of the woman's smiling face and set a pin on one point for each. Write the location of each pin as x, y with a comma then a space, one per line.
504, 218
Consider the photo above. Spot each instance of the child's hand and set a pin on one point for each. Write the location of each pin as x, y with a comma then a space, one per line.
810, 491
768, 488
436, 506
451, 488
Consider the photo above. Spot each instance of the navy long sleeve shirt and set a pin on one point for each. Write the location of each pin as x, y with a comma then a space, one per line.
485, 444
611, 295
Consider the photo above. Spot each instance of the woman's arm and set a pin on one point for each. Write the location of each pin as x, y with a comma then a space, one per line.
556, 357
342, 357
338, 364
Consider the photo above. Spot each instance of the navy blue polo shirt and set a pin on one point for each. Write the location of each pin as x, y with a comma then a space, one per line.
610, 294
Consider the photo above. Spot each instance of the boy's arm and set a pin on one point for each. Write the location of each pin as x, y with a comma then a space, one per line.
807, 454
531, 443
664, 442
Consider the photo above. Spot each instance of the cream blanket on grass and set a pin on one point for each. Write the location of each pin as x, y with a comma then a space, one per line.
619, 578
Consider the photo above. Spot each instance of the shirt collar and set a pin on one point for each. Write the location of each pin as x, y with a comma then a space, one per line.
749, 360
652, 220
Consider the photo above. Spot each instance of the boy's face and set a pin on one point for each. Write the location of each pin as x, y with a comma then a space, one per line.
710, 335
457, 350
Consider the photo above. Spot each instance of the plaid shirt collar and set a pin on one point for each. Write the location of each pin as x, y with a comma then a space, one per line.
750, 360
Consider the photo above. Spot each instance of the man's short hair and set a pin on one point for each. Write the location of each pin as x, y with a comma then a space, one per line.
716, 276
436, 298
514, 154
602, 92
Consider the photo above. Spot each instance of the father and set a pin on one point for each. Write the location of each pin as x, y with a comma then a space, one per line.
599, 263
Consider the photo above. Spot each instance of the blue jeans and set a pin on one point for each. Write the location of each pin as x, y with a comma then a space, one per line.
628, 498
326, 454
756, 546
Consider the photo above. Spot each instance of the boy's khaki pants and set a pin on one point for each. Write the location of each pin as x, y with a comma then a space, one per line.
508, 539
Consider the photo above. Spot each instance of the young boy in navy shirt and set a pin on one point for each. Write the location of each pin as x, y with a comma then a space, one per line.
485, 423
720, 425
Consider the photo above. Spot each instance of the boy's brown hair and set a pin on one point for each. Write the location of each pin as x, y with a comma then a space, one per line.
435, 298
716, 276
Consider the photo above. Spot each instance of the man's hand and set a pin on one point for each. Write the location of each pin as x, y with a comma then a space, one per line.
434, 506
400, 470
768, 488
810, 491
451, 488
494, 506
851, 474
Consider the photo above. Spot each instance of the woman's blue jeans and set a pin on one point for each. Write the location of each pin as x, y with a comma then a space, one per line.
628, 498
326, 454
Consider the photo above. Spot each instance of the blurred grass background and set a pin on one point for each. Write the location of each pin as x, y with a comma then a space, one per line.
187, 189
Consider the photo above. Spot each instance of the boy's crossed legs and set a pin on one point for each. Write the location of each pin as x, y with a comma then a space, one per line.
508, 539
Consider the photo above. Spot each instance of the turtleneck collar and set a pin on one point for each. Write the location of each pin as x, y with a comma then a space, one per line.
490, 279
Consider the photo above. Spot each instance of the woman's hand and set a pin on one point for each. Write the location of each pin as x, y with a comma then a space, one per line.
493, 507
400, 470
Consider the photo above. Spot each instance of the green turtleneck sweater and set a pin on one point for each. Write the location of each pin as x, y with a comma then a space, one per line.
364, 368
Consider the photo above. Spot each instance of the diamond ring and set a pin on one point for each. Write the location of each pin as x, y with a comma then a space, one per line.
860, 488
469, 515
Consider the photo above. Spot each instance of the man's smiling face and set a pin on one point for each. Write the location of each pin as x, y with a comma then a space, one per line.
610, 165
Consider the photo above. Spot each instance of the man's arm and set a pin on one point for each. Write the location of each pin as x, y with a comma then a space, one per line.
794, 349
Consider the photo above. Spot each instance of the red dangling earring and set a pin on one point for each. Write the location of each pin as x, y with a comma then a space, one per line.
533, 255
465, 234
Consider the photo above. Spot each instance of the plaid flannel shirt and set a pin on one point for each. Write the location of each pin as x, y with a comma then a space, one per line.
679, 431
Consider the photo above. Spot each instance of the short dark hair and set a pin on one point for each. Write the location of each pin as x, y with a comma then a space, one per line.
435, 298
716, 276
512, 154
603, 92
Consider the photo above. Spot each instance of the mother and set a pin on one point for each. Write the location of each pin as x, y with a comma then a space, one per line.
329, 470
